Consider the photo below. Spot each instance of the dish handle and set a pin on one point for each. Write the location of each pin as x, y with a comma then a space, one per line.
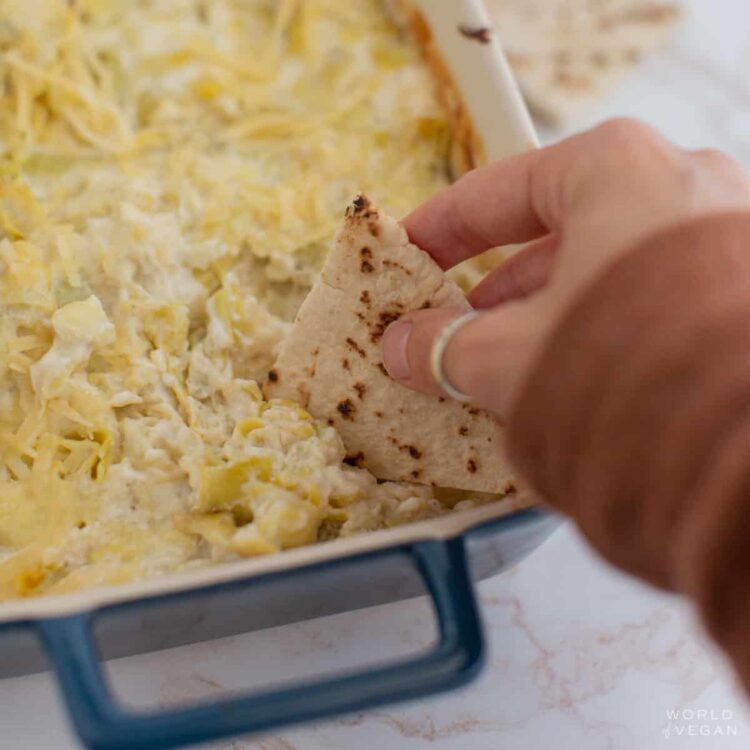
105, 724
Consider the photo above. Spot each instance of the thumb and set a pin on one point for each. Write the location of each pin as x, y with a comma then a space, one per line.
486, 359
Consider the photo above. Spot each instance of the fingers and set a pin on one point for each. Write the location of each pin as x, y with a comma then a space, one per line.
519, 276
510, 201
485, 359
487, 207
531, 195
598, 193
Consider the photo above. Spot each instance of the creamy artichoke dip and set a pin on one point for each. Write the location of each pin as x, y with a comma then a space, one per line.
171, 175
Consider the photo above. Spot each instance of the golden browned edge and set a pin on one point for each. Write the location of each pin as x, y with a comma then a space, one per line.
467, 148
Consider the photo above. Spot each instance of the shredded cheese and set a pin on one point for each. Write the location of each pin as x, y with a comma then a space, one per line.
171, 175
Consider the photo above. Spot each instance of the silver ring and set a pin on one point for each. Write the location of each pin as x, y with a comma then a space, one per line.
437, 355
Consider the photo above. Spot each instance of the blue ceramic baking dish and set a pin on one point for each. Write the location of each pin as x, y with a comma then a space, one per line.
334, 577
79, 631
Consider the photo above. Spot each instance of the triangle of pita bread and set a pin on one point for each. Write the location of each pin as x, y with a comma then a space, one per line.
331, 362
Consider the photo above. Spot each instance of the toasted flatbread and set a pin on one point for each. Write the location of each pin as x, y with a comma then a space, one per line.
567, 54
332, 363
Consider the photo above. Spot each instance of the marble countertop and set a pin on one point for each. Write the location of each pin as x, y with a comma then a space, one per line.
580, 656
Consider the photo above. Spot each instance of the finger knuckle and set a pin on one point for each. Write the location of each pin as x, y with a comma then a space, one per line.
625, 155
718, 161
641, 156
630, 134
721, 169
630, 144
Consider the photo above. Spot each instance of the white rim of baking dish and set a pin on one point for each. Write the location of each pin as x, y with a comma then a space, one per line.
468, 43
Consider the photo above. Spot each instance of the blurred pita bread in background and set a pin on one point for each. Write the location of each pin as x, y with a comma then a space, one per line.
332, 363
567, 54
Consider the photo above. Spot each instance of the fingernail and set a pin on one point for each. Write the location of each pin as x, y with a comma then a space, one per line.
395, 346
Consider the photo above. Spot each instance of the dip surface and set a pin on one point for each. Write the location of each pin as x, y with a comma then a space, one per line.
171, 176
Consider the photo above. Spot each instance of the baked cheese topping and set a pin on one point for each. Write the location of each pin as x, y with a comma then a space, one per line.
171, 175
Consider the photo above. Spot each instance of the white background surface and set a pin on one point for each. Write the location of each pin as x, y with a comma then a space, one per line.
580, 657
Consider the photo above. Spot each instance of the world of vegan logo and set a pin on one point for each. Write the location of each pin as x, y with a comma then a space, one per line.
700, 722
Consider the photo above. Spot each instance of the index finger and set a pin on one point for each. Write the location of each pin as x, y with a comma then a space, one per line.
485, 208
513, 200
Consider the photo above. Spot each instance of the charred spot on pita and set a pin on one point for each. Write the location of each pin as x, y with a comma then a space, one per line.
384, 320
366, 267
395, 264
360, 204
273, 376
355, 459
364, 298
361, 389
346, 408
414, 452
352, 344
471, 466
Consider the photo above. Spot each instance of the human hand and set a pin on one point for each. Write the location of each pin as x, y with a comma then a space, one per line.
579, 205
